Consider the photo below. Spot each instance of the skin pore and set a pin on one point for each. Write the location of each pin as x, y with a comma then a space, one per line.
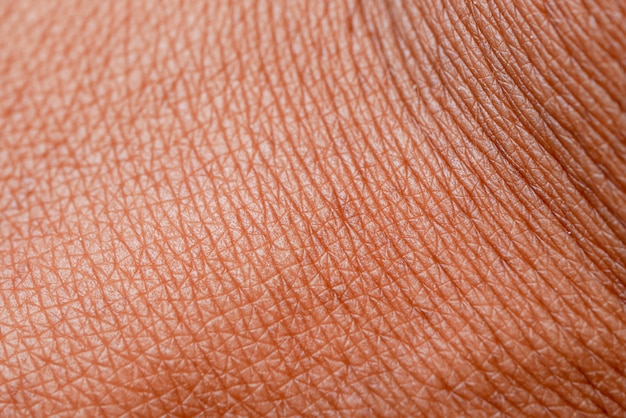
359, 208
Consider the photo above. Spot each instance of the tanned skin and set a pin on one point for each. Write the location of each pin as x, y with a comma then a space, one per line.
313, 208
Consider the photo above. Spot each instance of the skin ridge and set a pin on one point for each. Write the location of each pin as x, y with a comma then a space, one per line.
614, 250
306, 208
596, 188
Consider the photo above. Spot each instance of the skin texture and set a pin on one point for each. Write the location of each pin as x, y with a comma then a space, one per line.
358, 208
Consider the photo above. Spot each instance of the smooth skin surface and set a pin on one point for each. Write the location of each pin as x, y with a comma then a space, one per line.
308, 208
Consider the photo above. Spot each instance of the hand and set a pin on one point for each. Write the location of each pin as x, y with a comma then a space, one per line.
358, 208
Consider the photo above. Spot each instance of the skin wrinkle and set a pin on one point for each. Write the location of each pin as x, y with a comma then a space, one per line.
561, 94
274, 341
390, 177
344, 221
324, 216
371, 215
353, 229
596, 77
277, 60
339, 209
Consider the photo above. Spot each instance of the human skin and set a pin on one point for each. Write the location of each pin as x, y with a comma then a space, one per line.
312, 208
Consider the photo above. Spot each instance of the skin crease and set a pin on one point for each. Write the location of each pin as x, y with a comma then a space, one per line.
359, 208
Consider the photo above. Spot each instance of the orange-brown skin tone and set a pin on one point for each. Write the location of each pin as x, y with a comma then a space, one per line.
357, 208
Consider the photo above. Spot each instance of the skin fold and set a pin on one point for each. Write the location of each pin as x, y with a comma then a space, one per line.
311, 208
